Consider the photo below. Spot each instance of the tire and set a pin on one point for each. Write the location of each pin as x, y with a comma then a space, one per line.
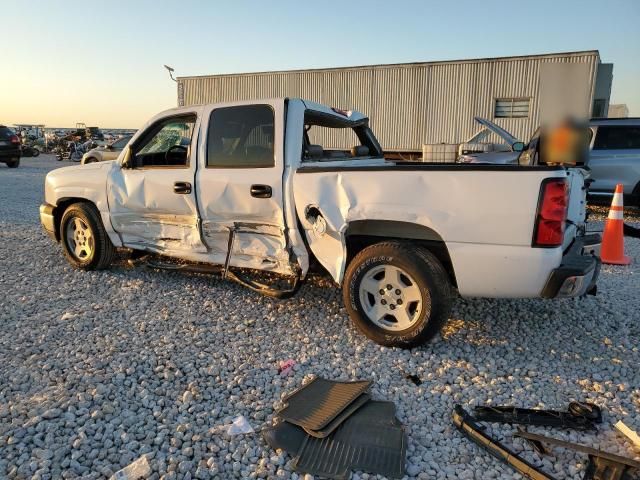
15, 163
35, 152
421, 294
89, 160
91, 249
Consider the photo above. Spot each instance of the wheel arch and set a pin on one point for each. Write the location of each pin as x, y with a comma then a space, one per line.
61, 207
363, 233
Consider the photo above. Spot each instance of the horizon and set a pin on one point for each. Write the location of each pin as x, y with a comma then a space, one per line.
55, 73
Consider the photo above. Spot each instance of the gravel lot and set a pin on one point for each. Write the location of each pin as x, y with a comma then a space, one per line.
97, 369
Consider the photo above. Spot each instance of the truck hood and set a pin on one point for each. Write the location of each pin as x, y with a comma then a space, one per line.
498, 130
78, 181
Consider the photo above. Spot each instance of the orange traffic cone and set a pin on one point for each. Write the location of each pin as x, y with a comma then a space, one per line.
612, 250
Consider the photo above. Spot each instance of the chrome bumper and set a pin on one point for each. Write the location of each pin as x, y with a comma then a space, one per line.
578, 273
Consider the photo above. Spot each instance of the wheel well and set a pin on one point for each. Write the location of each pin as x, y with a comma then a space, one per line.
60, 208
363, 233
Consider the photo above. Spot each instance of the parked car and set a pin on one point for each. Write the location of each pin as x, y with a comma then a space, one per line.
614, 156
9, 147
239, 186
109, 152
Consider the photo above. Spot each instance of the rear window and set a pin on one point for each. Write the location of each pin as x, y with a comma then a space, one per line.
241, 137
617, 138
5, 133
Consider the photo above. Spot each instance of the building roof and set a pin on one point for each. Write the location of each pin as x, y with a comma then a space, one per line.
404, 65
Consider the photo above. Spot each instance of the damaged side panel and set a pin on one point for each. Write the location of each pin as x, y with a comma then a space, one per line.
147, 215
246, 200
461, 207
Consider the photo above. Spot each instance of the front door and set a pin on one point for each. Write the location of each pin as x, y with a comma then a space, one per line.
239, 185
153, 203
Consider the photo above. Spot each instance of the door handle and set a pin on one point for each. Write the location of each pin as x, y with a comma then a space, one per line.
261, 191
182, 188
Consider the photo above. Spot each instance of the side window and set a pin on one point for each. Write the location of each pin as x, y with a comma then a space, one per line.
167, 144
241, 137
617, 138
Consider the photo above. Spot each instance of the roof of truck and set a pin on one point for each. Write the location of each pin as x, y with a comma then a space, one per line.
348, 115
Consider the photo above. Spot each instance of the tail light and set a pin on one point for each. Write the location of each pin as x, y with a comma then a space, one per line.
14, 139
552, 213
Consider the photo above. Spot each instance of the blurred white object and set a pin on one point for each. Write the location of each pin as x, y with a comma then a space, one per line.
134, 471
627, 432
239, 426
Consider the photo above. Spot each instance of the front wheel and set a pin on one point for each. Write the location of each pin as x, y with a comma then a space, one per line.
84, 240
397, 294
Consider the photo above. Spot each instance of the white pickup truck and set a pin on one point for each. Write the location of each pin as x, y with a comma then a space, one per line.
242, 186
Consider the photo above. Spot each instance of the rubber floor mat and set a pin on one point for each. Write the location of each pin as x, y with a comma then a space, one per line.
314, 405
285, 436
342, 416
371, 440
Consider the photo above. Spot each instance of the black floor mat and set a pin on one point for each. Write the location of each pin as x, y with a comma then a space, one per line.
342, 416
316, 404
371, 440
285, 436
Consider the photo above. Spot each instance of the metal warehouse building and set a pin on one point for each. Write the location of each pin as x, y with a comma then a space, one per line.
411, 104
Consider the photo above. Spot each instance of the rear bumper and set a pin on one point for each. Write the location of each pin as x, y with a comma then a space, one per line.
9, 154
578, 273
47, 220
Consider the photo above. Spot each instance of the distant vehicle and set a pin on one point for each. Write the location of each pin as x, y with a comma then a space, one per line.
109, 152
510, 154
614, 155
30, 151
9, 147
94, 133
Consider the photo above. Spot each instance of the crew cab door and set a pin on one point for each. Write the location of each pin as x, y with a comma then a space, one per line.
239, 185
152, 200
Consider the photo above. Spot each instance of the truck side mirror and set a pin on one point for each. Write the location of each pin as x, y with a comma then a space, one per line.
517, 147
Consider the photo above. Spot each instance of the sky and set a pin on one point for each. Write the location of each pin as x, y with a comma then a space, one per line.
101, 63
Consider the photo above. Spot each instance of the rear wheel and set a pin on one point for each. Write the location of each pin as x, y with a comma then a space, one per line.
397, 294
84, 240
35, 152
13, 163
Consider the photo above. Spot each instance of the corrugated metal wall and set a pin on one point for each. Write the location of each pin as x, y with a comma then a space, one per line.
408, 104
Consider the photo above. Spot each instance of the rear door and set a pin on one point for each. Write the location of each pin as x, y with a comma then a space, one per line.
615, 158
239, 185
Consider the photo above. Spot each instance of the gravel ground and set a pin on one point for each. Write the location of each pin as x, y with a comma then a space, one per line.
98, 368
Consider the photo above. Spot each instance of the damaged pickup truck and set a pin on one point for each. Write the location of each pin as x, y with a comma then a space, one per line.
246, 185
